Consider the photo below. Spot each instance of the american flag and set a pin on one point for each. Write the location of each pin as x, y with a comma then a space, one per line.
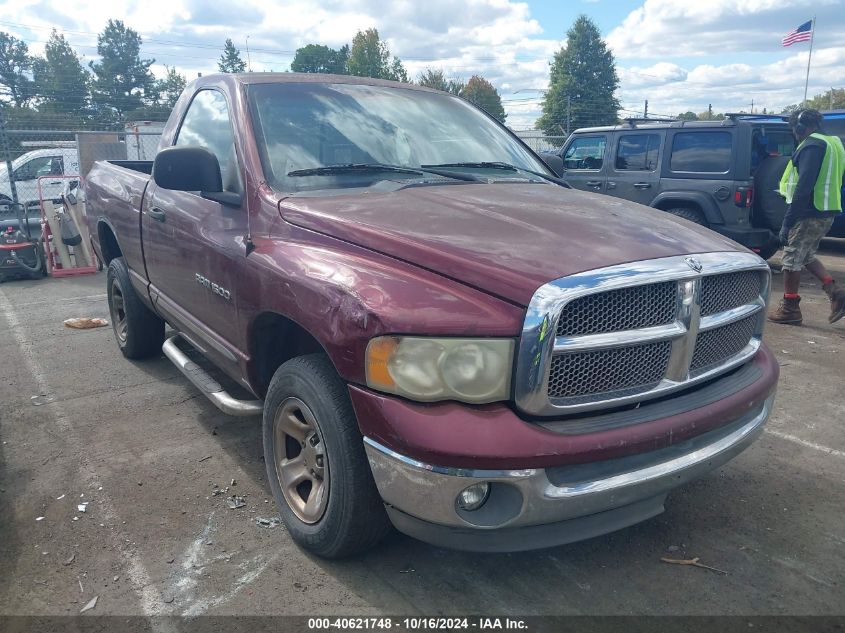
802, 34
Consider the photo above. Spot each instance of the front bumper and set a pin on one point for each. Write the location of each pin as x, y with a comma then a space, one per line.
543, 507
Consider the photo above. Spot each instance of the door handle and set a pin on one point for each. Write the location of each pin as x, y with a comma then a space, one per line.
157, 214
595, 184
55, 182
642, 185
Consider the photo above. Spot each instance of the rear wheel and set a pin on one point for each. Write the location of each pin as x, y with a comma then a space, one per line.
769, 205
138, 330
768, 251
316, 464
693, 215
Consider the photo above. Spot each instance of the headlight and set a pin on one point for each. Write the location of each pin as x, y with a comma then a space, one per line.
429, 369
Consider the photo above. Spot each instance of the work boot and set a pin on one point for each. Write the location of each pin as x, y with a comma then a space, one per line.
788, 312
837, 301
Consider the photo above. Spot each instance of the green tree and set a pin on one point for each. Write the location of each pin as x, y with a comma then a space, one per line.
370, 57
15, 65
171, 87
481, 93
833, 99
61, 82
122, 80
582, 82
316, 58
436, 78
230, 60
688, 116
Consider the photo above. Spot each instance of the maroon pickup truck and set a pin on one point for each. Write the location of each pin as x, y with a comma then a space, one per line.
440, 334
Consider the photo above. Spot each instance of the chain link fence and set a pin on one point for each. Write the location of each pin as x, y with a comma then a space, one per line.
540, 142
35, 164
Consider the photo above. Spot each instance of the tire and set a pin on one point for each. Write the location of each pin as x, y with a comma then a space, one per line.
310, 427
693, 215
769, 206
138, 330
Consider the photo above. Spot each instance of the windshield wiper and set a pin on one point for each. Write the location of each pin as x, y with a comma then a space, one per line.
352, 168
503, 167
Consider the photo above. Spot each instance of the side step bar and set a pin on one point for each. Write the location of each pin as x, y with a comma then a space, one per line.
212, 389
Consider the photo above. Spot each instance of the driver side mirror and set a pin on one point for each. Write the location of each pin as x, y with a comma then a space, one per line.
192, 168
554, 162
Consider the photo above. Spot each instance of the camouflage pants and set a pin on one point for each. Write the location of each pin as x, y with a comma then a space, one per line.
804, 240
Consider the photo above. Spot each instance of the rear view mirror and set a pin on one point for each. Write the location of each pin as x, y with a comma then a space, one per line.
554, 162
187, 168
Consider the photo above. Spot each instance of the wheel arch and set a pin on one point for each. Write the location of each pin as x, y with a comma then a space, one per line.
690, 200
273, 340
109, 247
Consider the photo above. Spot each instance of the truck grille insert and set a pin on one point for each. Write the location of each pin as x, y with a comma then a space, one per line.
631, 332
723, 292
718, 345
579, 374
622, 309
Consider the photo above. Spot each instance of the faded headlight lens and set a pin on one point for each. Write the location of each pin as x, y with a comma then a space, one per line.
429, 369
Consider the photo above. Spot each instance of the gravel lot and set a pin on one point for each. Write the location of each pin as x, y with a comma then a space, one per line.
78, 423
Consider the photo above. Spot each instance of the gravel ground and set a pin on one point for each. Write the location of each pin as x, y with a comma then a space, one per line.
147, 453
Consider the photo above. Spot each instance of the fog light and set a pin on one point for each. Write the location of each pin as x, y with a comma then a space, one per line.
474, 496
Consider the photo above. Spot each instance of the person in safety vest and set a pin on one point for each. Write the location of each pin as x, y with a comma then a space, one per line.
812, 186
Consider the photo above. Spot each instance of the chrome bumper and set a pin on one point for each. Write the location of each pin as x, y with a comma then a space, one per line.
534, 497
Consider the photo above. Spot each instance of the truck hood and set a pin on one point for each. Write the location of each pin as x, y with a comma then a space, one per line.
505, 239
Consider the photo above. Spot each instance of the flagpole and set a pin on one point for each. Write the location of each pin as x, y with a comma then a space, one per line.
809, 58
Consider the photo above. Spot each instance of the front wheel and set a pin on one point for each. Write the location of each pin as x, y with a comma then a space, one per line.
138, 330
316, 463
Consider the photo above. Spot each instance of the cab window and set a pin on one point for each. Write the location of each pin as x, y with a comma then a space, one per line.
637, 152
585, 152
208, 124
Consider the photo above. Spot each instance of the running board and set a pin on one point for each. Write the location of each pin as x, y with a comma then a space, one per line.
212, 389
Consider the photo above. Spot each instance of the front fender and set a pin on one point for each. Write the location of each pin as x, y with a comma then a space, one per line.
344, 295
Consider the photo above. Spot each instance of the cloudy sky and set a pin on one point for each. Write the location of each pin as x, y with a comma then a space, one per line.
679, 54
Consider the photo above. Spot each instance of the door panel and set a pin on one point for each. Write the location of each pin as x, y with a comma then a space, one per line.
635, 173
584, 161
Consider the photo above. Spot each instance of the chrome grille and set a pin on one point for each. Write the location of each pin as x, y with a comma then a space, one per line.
626, 333
580, 374
723, 292
719, 344
622, 309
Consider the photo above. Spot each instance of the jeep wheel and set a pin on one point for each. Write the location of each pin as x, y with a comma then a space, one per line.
772, 247
693, 215
138, 330
316, 464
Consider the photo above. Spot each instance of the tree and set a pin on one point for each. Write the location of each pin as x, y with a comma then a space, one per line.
171, 87
435, 78
582, 82
15, 65
230, 60
370, 57
316, 58
481, 92
688, 116
123, 81
832, 99
61, 82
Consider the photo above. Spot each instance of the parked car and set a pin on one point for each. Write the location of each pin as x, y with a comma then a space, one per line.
29, 167
721, 174
439, 334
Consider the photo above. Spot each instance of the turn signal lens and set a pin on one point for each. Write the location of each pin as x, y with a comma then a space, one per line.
379, 352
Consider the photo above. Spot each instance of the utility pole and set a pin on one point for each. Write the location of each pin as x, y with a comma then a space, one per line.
248, 60
645, 110
831, 97
568, 113
710, 112
752, 106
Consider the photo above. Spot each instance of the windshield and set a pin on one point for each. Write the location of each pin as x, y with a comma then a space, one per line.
303, 126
